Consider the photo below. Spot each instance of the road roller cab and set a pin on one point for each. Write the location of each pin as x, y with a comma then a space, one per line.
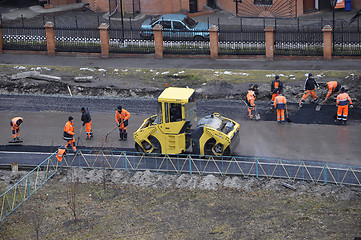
170, 131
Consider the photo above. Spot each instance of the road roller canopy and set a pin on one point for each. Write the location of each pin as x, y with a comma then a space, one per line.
177, 95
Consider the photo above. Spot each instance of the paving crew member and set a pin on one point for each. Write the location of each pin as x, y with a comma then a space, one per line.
309, 88
87, 122
332, 87
121, 118
276, 86
342, 106
280, 105
251, 97
15, 129
69, 133
61, 152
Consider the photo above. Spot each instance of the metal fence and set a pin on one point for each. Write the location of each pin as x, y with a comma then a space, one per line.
129, 41
186, 42
298, 42
347, 42
242, 41
23, 38
314, 172
28, 185
77, 40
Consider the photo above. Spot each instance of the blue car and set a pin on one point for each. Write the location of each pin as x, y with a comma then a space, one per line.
176, 27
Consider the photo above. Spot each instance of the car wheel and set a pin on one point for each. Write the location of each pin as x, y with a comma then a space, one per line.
198, 38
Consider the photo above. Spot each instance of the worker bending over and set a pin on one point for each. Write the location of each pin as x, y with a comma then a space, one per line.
121, 118
251, 97
87, 122
332, 88
69, 133
280, 105
276, 86
15, 129
309, 88
342, 106
61, 152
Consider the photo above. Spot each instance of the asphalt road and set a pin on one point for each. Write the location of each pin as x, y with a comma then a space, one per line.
44, 122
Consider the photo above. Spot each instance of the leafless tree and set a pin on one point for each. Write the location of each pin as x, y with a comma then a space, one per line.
35, 213
72, 194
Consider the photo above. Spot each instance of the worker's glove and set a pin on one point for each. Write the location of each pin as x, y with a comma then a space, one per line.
351, 106
318, 88
305, 91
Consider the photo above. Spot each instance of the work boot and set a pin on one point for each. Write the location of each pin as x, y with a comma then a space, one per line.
13, 140
121, 136
125, 136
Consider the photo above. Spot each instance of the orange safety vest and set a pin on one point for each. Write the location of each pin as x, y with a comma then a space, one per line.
251, 95
280, 102
342, 99
69, 128
14, 121
331, 86
61, 152
121, 117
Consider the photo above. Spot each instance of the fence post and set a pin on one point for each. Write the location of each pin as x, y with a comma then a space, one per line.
325, 175
50, 38
190, 165
158, 41
213, 44
269, 31
104, 39
327, 42
1, 39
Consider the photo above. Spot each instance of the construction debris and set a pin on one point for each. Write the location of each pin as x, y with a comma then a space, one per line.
35, 75
85, 79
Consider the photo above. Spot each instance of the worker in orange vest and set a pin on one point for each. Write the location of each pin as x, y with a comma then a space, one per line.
15, 129
309, 88
280, 105
276, 86
332, 87
342, 106
121, 118
251, 97
69, 133
61, 152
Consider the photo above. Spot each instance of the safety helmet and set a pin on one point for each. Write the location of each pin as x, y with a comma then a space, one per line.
70, 118
310, 74
277, 77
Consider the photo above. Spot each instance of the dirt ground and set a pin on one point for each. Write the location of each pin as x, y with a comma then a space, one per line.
145, 205
127, 82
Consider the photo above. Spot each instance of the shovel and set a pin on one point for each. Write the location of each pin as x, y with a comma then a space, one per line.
81, 130
318, 107
106, 136
256, 115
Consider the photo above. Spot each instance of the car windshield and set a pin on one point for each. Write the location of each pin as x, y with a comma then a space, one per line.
191, 23
154, 20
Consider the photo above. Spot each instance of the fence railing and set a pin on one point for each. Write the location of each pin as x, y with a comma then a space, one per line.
287, 41
28, 185
314, 172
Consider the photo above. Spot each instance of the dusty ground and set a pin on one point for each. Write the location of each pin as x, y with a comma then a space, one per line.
128, 82
144, 205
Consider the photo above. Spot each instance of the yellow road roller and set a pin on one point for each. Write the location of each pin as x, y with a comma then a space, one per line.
174, 129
